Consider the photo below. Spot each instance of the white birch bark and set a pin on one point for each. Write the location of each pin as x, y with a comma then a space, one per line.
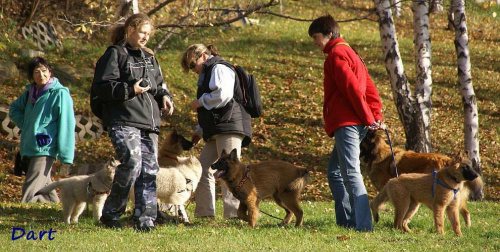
423, 86
471, 125
396, 6
406, 105
436, 6
135, 6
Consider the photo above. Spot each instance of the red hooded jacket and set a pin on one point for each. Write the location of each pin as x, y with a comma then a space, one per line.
350, 97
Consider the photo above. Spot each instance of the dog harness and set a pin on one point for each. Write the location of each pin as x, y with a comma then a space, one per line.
437, 181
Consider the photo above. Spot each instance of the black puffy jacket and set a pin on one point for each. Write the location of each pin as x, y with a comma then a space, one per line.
115, 74
232, 118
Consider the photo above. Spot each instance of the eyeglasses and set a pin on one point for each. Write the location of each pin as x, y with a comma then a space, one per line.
192, 65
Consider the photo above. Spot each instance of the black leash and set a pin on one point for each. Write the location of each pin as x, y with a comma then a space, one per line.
393, 158
270, 215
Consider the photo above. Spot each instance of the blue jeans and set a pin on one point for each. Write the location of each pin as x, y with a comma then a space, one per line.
352, 208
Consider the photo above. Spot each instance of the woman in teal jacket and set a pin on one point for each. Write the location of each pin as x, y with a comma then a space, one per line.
44, 113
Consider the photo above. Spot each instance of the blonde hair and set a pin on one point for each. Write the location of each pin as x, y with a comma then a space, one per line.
118, 33
194, 52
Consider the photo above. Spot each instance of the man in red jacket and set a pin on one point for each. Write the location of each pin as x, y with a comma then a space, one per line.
351, 107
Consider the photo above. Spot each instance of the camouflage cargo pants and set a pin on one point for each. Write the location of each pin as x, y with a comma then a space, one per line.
138, 153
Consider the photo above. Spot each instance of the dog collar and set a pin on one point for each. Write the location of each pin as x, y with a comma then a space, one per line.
242, 182
437, 181
172, 157
92, 192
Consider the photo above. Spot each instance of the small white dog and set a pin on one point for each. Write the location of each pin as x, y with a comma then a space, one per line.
78, 190
178, 176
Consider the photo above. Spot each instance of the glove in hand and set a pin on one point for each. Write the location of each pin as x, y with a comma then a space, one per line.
43, 139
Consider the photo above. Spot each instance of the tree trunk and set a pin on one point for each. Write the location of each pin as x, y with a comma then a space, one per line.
396, 5
406, 105
135, 6
423, 86
471, 125
436, 6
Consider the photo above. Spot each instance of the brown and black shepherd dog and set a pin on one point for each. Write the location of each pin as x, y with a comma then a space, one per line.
441, 191
251, 183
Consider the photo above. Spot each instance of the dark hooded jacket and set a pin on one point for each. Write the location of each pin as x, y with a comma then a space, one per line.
116, 73
230, 119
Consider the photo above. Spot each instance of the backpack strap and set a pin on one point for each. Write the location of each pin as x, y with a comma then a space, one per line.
121, 49
346, 44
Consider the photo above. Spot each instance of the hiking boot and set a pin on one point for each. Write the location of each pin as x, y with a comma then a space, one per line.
143, 228
109, 223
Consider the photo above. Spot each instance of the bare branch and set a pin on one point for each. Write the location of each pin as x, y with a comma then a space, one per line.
159, 6
245, 13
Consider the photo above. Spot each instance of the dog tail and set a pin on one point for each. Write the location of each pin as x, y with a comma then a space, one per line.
300, 182
377, 203
48, 188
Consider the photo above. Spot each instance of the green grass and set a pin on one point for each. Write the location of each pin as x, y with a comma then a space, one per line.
319, 232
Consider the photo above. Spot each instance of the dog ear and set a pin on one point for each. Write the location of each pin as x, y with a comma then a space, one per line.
234, 155
223, 153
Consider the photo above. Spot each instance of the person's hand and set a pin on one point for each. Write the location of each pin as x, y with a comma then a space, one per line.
377, 126
168, 106
195, 138
43, 139
195, 104
138, 89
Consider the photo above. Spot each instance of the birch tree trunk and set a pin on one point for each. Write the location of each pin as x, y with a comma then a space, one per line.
436, 6
471, 125
406, 105
396, 4
135, 6
423, 86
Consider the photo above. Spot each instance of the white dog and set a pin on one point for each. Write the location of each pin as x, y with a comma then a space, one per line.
178, 176
78, 190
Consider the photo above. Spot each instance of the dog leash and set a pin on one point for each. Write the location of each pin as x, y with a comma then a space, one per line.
270, 215
392, 152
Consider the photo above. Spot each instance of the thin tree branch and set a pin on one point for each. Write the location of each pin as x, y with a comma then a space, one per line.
245, 12
159, 6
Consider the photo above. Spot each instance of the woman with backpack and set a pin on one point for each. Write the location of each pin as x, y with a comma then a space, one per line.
129, 81
223, 123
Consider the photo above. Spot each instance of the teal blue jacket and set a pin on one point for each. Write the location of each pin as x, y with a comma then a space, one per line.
51, 114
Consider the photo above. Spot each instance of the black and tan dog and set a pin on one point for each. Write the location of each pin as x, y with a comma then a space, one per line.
377, 163
251, 183
441, 191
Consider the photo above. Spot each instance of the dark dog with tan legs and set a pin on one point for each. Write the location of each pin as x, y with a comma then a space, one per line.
441, 191
250, 183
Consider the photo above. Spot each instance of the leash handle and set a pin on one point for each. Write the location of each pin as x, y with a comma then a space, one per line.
392, 152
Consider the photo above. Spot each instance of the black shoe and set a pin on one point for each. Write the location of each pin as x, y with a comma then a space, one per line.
143, 228
109, 223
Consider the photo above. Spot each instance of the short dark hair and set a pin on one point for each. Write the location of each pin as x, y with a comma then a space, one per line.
34, 64
325, 25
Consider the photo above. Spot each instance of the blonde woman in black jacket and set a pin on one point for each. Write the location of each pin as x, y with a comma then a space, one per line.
129, 80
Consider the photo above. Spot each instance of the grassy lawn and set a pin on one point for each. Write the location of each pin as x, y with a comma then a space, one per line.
319, 232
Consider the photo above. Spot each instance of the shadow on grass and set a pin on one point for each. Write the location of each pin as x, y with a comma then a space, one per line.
29, 215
